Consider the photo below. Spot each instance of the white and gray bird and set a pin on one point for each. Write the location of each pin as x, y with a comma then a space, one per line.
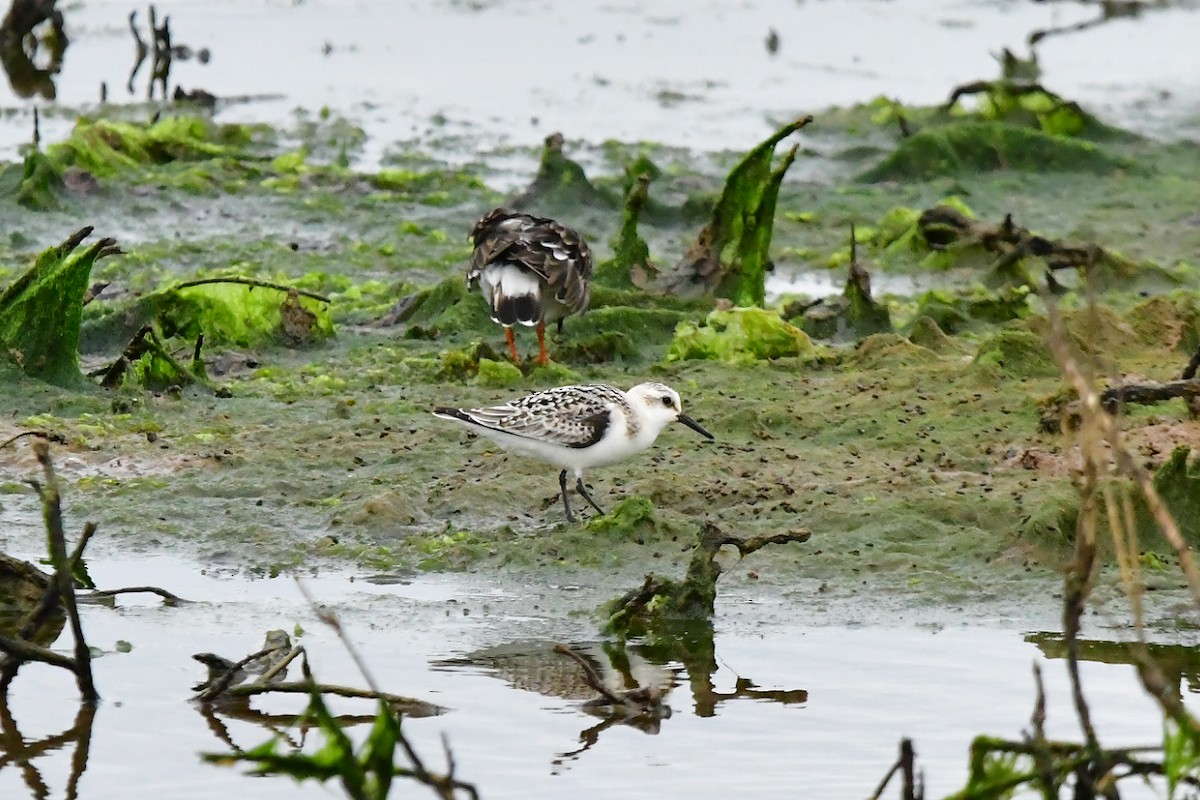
578, 427
530, 270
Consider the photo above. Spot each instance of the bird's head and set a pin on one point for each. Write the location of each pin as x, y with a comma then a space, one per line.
661, 406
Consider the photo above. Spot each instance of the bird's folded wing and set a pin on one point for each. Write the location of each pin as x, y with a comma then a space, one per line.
565, 416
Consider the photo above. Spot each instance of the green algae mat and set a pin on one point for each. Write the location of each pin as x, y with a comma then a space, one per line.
251, 376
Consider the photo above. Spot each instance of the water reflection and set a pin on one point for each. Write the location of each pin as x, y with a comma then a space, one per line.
20, 752
33, 45
32, 32
1179, 663
276, 725
659, 665
162, 52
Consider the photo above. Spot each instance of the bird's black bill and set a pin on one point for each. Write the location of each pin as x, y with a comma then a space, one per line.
696, 426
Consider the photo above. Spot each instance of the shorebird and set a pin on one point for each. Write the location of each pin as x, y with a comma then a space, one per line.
578, 427
530, 270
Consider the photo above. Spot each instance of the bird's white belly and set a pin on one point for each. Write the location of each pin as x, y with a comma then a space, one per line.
612, 448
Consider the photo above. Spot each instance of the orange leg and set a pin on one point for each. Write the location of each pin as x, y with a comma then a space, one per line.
512, 345
543, 358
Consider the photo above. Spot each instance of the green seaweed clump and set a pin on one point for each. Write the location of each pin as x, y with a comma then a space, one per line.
630, 266
560, 186
42, 310
444, 307
1015, 353
955, 312
1178, 484
496, 374
106, 147
36, 183
730, 257
966, 147
240, 315
738, 335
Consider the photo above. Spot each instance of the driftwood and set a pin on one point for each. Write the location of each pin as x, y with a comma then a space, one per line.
60, 591
943, 227
60, 595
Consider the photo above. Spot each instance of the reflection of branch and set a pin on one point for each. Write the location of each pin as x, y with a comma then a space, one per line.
1109, 11
15, 748
142, 50
52, 511
406, 705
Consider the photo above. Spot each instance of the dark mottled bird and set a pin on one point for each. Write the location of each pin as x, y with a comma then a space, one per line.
530, 270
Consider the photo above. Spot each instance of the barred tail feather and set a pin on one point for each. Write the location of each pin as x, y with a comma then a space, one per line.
523, 308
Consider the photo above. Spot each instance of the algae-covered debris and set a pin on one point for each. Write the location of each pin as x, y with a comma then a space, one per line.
229, 310
1031, 105
630, 266
1015, 353
560, 185
957, 311
146, 363
22, 586
738, 335
854, 314
663, 602
106, 147
964, 147
731, 256
1178, 484
36, 183
41, 311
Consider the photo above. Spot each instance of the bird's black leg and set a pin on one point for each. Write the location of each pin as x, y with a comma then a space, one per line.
562, 481
560, 323
583, 491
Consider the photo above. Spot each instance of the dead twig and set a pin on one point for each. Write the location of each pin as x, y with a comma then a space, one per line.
398, 703
169, 598
255, 282
50, 437
52, 512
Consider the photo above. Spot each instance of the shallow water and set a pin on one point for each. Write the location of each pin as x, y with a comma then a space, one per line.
479, 75
822, 713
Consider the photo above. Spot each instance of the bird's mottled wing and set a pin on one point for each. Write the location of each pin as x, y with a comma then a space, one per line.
555, 252
572, 416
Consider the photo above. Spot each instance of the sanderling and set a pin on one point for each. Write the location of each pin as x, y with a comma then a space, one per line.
531, 270
577, 427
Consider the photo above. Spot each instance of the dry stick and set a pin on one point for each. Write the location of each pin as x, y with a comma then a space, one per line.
23, 651
1189, 371
1149, 393
46, 606
1079, 573
169, 598
1090, 406
52, 511
54, 437
886, 779
253, 282
305, 687
907, 756
1042, 759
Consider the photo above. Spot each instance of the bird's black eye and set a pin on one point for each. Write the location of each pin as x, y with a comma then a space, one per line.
667, 401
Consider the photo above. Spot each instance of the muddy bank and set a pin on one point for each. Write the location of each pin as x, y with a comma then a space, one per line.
916, 456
